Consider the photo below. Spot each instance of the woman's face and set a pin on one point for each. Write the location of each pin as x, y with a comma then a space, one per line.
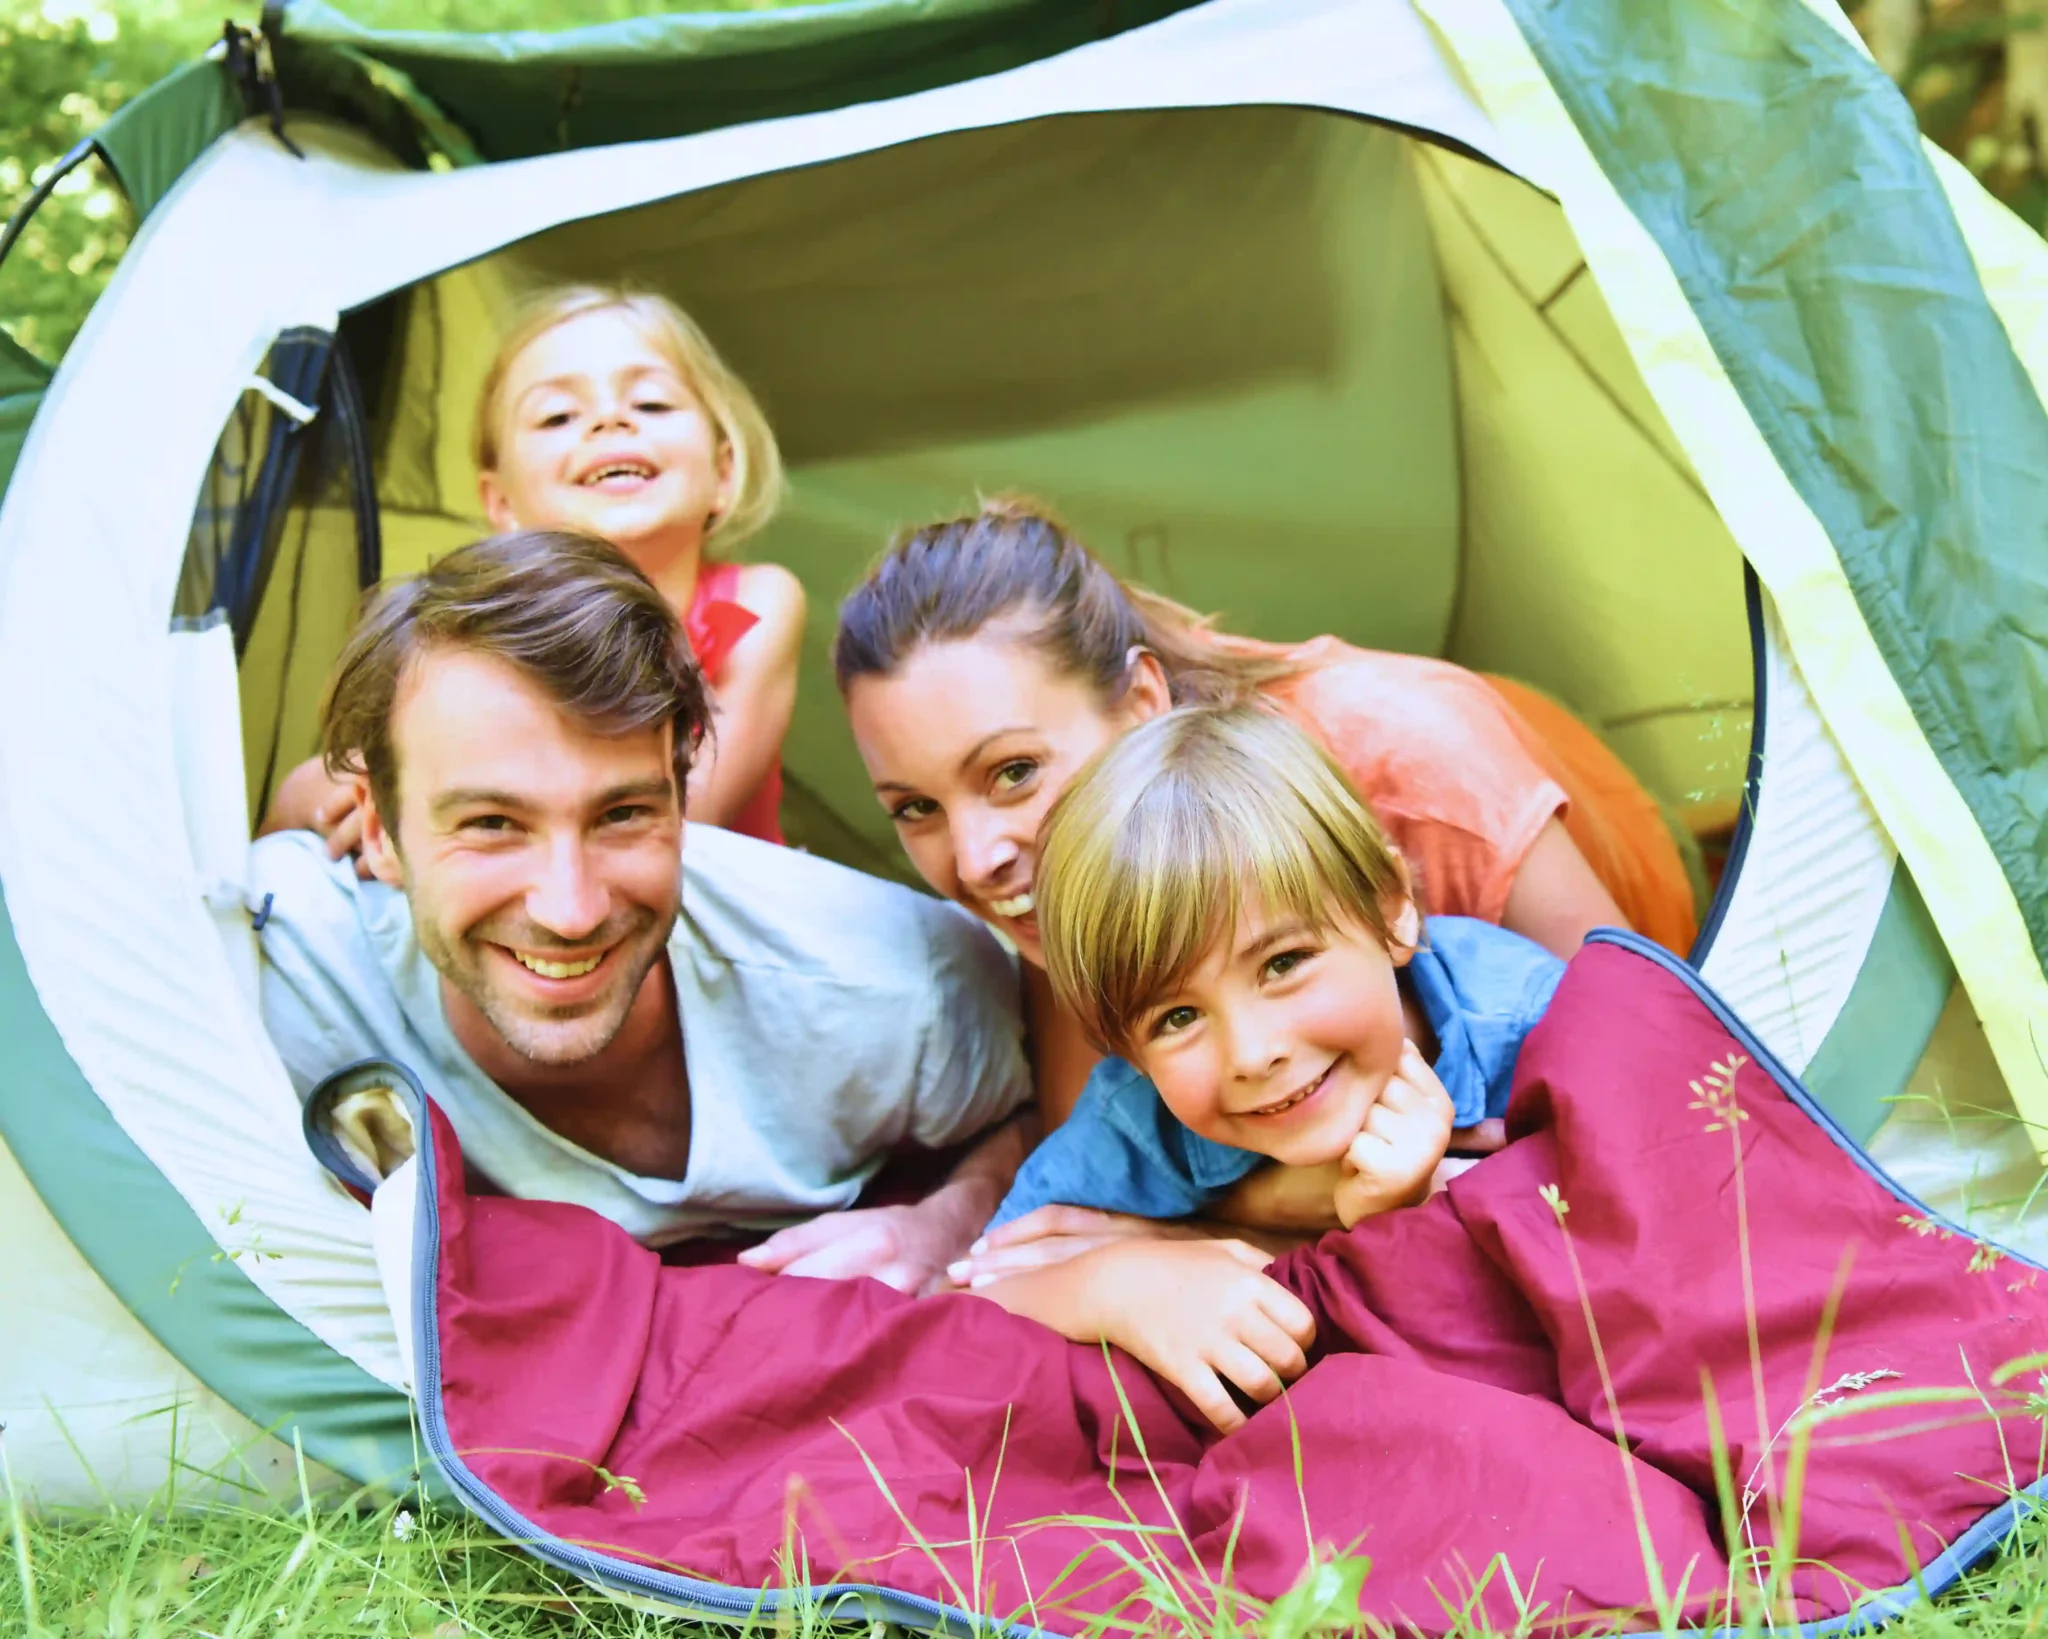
969, 744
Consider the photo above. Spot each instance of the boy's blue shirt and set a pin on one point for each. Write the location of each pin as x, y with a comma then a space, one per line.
1481, 988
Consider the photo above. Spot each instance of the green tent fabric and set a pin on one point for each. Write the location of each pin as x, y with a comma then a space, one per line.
517, 94
23, 377
1511, 333
152, 141
1818, 302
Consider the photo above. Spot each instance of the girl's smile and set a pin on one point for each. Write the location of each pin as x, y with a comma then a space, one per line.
618, 477
602, 434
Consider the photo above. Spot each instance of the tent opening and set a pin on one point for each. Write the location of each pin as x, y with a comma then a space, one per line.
1309, 372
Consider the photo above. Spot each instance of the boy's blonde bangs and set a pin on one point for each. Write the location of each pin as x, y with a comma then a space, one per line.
743, 428
1152, 852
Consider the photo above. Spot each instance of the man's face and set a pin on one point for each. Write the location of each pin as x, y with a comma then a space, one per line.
542, 861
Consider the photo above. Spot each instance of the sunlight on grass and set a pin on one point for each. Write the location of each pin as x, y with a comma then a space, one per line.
237, 1573
424, 1573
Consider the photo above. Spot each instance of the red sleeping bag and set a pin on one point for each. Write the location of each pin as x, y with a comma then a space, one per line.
706, 1433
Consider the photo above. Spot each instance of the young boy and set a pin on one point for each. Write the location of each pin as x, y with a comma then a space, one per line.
1220, 909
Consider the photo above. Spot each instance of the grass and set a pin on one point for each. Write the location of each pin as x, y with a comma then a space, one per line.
239, 1573
406, 1572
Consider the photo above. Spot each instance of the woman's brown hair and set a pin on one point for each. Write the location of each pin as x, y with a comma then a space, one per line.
1013, 560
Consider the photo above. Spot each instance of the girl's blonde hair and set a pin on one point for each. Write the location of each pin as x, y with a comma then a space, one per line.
742, 428
1148, 856
1014, 561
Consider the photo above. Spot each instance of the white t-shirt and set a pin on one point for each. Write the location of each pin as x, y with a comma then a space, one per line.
827, 1018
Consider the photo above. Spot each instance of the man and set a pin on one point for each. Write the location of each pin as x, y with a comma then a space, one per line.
735, 1048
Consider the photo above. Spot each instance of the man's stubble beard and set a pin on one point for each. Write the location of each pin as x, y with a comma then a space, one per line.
591, 1028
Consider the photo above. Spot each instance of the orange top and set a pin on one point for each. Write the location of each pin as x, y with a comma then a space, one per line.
1616, 823
1464, 771
714, 622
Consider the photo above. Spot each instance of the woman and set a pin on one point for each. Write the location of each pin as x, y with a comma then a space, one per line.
988, 657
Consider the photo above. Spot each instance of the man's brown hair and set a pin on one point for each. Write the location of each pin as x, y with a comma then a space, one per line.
567, 610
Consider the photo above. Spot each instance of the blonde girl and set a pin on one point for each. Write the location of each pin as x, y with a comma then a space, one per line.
609, 412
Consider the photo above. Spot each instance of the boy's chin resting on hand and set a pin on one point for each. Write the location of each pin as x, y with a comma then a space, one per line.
1396, 1159
1393, 1160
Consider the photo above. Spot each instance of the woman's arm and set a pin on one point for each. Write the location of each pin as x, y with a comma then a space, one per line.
1555, 899
755, 698
1055, 1234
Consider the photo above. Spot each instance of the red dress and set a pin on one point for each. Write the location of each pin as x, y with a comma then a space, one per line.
714, 622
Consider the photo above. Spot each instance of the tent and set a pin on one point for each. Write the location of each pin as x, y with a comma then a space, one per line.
1642, 351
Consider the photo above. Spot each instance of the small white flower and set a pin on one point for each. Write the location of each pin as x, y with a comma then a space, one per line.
402, 1526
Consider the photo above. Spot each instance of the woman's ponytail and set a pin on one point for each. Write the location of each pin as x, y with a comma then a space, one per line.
1014, 561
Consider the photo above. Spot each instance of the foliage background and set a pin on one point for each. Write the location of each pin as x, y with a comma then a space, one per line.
1976, 72
65, 65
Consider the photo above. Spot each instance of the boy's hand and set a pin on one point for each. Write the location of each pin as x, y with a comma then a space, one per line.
1391, 1161
1201, 1313
1198, 1313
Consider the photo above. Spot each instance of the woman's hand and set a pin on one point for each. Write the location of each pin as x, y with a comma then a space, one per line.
1392, 1160
1200, 1313
311, 799
913, 1248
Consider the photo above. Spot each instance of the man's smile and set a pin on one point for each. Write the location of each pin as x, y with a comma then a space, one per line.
550, 978
555, 969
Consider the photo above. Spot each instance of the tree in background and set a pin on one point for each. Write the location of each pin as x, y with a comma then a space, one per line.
64, 67
1976, 72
